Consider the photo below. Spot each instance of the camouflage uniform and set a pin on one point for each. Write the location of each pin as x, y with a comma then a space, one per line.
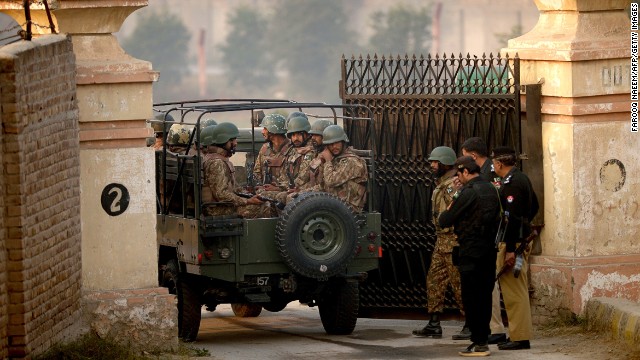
346, 177
442, 272
219, 186
274, 158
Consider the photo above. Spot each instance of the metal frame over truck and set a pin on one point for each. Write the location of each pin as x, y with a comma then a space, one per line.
317, 251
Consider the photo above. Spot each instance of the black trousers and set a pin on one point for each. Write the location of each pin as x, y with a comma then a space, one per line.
477, 278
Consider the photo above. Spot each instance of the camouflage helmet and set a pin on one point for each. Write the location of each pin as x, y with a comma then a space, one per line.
224, 132
157, 125
319, 125
207, 122
207, 135
333, 134
444, 154
178, 135
274, 123
297, 124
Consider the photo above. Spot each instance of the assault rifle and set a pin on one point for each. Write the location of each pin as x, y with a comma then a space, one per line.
278, 204
519, 252
266, 173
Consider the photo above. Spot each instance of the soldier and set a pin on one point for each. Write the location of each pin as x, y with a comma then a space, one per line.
271, 157
317, 128
160, 129
477, 149
442, 271
521, 204
345, 173
475, 214
296, 114
219, 186
196, 141
178, 138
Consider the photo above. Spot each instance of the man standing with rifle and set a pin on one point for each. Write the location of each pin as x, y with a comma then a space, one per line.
520, 206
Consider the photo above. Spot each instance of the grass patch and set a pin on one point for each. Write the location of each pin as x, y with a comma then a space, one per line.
92, 347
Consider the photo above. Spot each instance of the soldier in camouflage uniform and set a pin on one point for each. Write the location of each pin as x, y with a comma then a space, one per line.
269, 163
344, 173
219, 186
442, 271
178, 138
315, 167
196, 141
160, 130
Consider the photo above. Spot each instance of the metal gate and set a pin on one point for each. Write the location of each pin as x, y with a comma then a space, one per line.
418, 104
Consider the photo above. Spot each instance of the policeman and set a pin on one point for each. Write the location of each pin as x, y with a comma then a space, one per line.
219, 186
178, 138
317, 128
475, 216
520, 205
477, 149
268, 166
344, 173
160, 129
442, 271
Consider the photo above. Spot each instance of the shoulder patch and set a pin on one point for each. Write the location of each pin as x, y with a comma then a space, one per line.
510, 199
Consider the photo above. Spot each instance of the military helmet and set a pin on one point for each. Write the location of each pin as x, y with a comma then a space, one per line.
297, 124
333, 134
207, 122
319, 125
274, 123
207, 135
296, 114
444, 154
157, 125
224, 132
178, 134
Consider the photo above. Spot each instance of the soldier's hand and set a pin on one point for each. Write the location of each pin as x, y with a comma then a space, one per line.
509, 259
254, 201
456, 183
326, 155
271, 187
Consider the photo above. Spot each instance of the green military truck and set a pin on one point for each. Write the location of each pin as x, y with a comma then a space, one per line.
316, 251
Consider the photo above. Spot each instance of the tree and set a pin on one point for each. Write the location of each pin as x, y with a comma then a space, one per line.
245, 53
308, 39
401, 30
161, 38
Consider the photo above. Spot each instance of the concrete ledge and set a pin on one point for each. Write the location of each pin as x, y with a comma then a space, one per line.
143, 318
616, 316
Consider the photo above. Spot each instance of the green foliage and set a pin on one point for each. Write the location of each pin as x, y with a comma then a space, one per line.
245, 54
161, 38
402, 30
308, 38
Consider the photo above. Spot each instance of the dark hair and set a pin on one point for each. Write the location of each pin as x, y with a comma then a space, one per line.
476, 145
467, 162
505, 155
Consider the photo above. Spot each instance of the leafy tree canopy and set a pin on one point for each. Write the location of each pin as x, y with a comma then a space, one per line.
401, 30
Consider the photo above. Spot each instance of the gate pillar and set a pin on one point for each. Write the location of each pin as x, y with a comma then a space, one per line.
117, 184
580, 51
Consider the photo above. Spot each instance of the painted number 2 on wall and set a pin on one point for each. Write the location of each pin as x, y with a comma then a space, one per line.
115, 199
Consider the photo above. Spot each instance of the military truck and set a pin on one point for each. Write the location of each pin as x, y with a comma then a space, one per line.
316, 251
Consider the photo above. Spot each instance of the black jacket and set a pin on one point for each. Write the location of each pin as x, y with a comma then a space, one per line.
519, 199
475, 216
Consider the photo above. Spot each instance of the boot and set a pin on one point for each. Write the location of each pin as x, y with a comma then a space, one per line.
464, 334
432, 329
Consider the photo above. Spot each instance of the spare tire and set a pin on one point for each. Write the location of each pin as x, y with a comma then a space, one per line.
317, 235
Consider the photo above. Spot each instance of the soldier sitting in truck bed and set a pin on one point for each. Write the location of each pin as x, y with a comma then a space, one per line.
218, 191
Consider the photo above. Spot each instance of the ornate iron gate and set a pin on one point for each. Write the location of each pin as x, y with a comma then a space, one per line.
418, 104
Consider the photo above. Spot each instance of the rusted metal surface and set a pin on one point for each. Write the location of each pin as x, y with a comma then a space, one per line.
420, 103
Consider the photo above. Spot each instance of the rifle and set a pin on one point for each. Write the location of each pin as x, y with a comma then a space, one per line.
278, 204
519, 252
266, 171
292, 183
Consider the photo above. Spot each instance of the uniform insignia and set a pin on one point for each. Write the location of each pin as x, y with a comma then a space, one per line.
509, 199
507, 179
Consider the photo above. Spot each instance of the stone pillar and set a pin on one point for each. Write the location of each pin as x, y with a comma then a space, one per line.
117, 178
580, 50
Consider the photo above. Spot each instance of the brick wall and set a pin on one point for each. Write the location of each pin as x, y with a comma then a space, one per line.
41, 194
4, 298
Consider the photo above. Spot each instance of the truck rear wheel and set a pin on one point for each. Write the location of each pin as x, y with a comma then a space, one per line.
246, 310
339, 307
170, 276
317, 235
189, 307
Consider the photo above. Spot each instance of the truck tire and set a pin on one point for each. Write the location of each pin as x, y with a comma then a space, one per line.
317, 235
339, 307
275, 306
246, 310
189, 307
170, 276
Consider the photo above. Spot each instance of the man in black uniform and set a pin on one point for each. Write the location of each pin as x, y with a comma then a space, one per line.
474, 214
520, 206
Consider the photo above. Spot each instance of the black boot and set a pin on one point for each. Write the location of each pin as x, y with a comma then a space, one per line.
433, 328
